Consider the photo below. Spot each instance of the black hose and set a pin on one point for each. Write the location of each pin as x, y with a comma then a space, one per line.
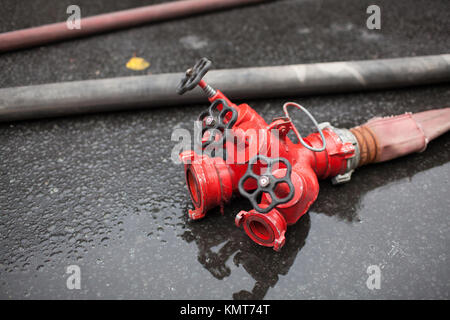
77, 97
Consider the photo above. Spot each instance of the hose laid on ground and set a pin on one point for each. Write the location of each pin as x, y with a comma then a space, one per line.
110, 21
77, 97
385, 138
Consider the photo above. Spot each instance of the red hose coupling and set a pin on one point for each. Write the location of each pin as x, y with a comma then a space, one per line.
265, 229
209, 180
268, 229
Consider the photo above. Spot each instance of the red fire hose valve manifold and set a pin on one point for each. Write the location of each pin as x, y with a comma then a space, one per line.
239, 153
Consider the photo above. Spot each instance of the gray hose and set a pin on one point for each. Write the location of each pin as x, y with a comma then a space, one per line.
77, 97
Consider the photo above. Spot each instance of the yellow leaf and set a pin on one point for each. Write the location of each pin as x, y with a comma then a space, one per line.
137, 64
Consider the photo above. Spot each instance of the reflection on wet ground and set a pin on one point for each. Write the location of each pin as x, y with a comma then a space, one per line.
344, 201
225, 242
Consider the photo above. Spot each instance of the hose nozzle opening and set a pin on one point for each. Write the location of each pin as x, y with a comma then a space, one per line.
265, 229
208, 180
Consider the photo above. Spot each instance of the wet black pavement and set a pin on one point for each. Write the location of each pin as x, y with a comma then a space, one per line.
100, 191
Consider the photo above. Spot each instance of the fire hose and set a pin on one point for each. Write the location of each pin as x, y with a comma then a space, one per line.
125, 93
240, 154
111, 21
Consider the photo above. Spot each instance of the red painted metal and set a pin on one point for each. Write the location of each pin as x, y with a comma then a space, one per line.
212, 178
268, 229
213, 181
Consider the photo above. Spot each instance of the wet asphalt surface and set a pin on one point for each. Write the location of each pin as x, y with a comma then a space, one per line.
100, 191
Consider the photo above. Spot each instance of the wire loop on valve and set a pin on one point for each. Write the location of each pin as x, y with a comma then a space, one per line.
299, 137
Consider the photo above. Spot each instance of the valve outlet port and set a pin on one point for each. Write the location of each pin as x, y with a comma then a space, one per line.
260, 230
193, 188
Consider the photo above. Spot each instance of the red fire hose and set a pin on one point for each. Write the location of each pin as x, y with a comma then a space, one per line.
239, 153
115, 20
